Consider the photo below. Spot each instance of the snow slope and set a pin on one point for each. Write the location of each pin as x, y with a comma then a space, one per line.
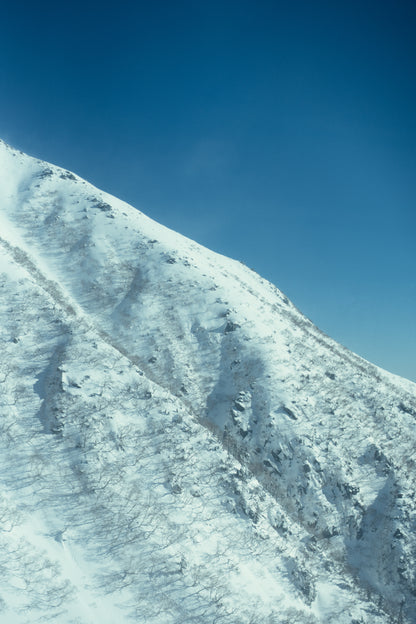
178, 443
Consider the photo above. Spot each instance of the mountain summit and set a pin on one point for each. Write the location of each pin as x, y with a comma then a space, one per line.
178, 443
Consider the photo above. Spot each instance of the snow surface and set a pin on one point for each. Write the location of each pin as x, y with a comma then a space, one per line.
178, 443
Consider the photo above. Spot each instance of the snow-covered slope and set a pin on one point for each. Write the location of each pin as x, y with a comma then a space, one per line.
178, 443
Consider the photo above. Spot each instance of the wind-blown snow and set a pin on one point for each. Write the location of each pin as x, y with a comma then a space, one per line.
178, 443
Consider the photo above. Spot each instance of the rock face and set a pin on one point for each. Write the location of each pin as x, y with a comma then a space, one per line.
178, 443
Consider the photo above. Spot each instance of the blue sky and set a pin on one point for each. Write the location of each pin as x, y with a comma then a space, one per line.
279, 133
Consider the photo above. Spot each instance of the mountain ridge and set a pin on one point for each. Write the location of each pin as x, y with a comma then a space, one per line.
229, 350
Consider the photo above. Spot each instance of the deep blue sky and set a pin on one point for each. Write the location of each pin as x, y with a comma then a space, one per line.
279, 133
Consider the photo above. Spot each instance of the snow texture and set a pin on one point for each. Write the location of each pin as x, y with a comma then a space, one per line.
178, 443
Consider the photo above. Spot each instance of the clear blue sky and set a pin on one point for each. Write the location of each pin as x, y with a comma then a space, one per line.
279, 133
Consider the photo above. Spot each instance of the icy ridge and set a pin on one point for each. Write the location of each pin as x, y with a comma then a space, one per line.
121, 339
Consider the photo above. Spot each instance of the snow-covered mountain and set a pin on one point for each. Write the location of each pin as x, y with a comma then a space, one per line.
178, 443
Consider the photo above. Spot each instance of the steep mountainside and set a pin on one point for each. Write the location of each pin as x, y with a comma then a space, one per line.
178, 443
